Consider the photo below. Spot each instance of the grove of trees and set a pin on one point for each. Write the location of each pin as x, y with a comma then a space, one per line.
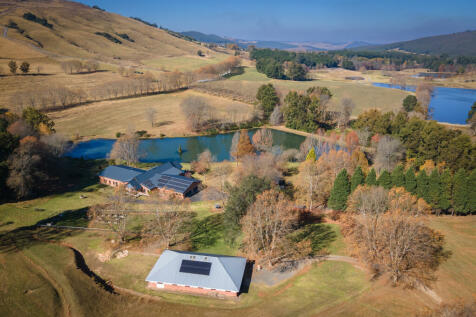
30, 154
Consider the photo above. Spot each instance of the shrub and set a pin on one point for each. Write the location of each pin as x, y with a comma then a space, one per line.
31, 17
109, 37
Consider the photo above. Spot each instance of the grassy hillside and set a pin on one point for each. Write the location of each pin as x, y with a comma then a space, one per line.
77, 30
462, 43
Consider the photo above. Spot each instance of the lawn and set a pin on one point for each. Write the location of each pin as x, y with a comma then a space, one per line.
104, 119
456, 278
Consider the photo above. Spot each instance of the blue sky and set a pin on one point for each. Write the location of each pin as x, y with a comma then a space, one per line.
298, 20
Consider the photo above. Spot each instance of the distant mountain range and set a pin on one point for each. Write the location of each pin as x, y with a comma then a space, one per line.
282, 45
462, 43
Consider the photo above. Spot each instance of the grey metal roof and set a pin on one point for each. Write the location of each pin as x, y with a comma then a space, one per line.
121, 172
166, 175
226, 272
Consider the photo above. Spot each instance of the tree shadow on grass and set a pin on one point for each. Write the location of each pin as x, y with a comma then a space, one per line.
319, 234
206, 232
162, 123
28, 236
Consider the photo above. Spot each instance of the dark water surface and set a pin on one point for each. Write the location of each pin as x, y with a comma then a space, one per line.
165, 149
448, 104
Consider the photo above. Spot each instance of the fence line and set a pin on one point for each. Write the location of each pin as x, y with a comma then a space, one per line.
72, 227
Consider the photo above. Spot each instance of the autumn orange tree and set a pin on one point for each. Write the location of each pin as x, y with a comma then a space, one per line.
266, 228
244, 146
387, 231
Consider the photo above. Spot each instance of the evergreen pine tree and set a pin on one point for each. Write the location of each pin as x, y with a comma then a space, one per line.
460, 192
371, 178
422, 186
445, 190
357, 179
398, 177
340, 191
311, 156
410, 181
472, 191
385, 180
434, 189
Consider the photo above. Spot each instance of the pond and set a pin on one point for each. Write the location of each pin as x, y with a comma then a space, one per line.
165, 149
448, 104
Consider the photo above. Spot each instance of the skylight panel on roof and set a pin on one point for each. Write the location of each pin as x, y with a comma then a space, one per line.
195, 267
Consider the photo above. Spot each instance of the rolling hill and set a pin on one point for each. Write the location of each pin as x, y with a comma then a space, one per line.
68, 29
462, 43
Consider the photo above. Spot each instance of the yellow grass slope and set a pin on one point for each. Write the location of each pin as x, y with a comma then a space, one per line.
74, 28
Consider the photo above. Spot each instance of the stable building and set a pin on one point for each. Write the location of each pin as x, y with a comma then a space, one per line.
198, 273
167, 179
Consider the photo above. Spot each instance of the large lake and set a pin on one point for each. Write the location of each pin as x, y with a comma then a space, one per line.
448, 104
165, 149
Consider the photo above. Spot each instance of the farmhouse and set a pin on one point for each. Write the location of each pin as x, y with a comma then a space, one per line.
198, 273
167, 179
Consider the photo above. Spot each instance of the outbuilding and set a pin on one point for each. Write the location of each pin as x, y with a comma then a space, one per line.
198, 273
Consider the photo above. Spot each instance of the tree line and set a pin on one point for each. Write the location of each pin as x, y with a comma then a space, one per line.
131, 85
441, 189
272, 62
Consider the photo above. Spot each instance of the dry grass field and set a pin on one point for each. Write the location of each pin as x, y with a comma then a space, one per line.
363, 94
104, 119
184, 63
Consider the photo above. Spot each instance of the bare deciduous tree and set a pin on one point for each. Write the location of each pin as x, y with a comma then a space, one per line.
169, 218
221, 173
195, 109
308, 180
348, 106
364, 137
57, 143
389, 152
126, 148
266, 165
276, 117
263, 140
423, 94
114, 213
203, 162
266, 226
234, 145
150, 115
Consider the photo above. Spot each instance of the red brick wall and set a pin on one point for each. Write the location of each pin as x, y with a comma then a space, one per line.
110, 181
192, 290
